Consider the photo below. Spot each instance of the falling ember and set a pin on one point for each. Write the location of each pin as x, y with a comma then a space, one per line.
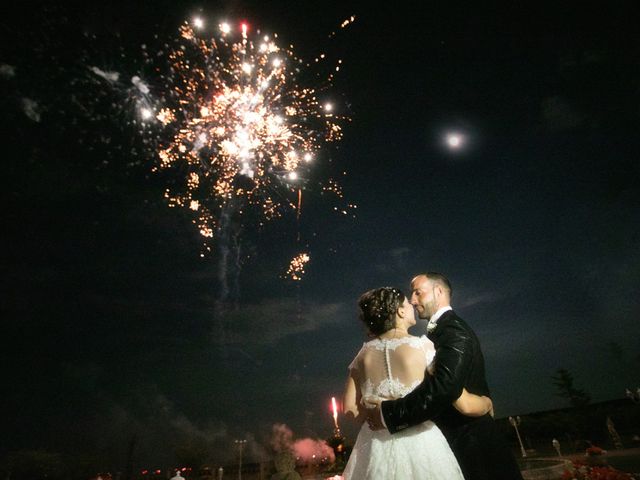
296, 267
334, 407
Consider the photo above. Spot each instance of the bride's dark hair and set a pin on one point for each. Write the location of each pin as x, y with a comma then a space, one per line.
378, 308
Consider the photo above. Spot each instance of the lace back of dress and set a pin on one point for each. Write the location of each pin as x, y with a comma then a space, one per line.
392, 367
387, 364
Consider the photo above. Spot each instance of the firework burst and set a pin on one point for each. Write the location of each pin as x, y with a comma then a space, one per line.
296, 267
233, 124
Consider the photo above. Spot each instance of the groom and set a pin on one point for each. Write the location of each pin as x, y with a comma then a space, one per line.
478, 445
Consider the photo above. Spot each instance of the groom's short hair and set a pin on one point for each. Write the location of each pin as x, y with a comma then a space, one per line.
441, 280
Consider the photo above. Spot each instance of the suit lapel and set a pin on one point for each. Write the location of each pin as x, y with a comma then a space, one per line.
436, 332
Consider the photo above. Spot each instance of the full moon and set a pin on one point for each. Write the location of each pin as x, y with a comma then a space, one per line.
454, 141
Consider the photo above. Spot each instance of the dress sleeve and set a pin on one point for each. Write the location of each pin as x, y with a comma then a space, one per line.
354, 363
429, 351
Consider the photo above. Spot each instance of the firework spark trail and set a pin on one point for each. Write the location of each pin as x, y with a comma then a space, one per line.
111, 77
31, 109
7, 71
229, 248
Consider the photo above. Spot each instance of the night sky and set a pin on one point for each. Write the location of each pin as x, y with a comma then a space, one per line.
112, 322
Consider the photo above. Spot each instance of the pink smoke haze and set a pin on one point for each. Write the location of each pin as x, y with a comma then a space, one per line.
306, 450
313, 451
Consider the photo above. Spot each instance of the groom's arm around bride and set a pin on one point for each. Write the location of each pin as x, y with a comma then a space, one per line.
455, 349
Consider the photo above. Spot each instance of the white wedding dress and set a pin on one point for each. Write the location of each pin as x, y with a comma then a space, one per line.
390, 369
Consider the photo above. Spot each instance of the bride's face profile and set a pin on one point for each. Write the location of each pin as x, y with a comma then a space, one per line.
405, 317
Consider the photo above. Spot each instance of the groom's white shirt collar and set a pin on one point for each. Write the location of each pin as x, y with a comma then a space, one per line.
433, 321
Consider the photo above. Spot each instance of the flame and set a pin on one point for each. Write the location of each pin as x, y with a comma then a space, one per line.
334, 407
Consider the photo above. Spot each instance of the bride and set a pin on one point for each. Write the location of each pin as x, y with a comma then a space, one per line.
389, 366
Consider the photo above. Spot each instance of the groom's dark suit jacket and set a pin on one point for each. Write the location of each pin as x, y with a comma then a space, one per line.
476, 442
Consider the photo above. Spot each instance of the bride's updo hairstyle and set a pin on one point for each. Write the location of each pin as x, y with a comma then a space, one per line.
378, 308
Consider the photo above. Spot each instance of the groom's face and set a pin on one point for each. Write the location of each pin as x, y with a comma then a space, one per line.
423, 297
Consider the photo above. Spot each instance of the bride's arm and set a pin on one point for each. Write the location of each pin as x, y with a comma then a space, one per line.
351, 400
473, 405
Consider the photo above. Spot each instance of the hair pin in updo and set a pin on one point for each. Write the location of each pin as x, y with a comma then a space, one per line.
394, 290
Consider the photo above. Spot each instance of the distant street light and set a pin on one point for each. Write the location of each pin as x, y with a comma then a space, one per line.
240, 444
514, 423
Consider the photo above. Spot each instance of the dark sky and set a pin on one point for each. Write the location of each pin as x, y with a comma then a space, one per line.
112, 324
